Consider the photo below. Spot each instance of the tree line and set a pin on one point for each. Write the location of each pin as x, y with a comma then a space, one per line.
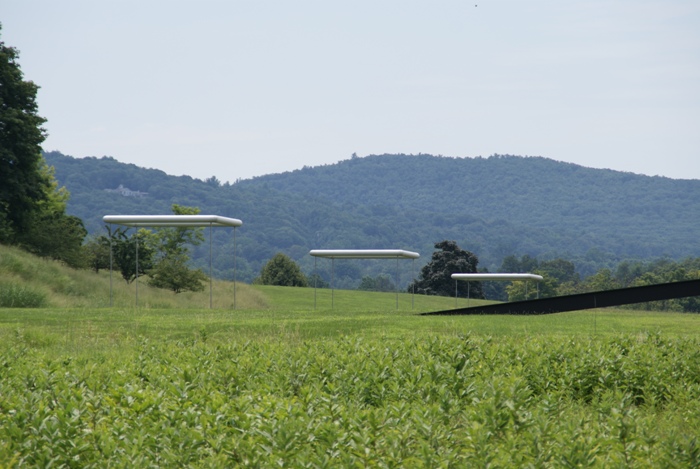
595, 218
559, 277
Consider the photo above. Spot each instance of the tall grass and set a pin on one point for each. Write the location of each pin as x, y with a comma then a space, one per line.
13, 295
64, 287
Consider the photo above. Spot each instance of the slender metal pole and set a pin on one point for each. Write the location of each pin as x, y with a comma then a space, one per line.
413, 283
397, 282
468, 295
111, 303
210, 277
332, 282
234, 267
315, 280
456, 293
137, 269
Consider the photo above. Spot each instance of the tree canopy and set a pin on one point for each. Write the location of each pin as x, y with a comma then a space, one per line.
282, 271
172, 244
436, 276
172, 241
23, 182
32, 205
126, 253
172, 273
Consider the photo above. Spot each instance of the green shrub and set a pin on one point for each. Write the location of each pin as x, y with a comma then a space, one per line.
18, 296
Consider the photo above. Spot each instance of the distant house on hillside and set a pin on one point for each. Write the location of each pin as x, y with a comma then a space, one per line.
126, 192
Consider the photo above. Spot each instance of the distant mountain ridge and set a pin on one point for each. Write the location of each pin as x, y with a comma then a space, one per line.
494, 207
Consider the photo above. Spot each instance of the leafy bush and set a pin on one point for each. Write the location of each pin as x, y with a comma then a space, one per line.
282, 271
435, 277
173, 274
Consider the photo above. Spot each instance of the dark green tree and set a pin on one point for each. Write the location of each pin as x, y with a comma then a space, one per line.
559, 278
96, 253
32, 206
125, 252
171, 245
176, 240
435, 277
601, 280
56, 236
529, 290
283, 271
512, 265
23, 183
559, 269
172, 273
49, 231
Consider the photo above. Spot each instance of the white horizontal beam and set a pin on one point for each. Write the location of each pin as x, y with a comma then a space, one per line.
497, 277
364, 253
171, 220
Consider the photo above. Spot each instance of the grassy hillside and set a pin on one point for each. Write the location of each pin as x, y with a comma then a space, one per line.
30, 281
27, 281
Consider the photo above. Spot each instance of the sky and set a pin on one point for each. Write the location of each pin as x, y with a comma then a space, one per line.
241, 88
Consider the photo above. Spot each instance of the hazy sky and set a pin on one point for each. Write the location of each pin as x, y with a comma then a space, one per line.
244, 88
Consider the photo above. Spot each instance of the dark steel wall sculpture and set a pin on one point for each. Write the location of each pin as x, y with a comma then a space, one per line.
599, 299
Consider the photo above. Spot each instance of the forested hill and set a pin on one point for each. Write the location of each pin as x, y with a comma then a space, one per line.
494, 206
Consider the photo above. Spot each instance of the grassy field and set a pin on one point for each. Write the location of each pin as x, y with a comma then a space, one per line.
277, 383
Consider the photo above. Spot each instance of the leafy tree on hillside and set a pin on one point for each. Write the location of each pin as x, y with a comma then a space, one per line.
56, 236
176, 240
602, 280
96, 253
435, 277
512, 265
530, 290
666, 271
560, 270
32, 206
560, 277
171, 244
125, 253
23, 184
49, 231
283, 271
172, 273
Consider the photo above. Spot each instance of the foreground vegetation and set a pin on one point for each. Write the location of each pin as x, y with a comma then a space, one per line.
353, 382
328, 389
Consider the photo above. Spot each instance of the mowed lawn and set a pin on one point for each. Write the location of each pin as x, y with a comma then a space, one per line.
351, 382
